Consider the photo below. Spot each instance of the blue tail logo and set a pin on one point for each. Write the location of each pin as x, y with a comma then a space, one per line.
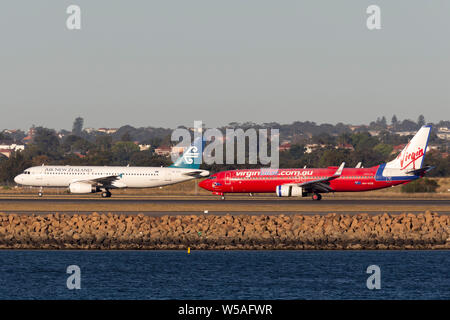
192, 157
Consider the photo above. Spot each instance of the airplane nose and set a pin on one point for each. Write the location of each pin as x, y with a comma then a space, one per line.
18, 179
204, 184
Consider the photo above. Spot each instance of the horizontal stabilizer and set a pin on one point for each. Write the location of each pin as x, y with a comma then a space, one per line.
421, 171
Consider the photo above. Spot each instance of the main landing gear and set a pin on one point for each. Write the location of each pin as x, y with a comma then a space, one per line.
106, 194
316, 196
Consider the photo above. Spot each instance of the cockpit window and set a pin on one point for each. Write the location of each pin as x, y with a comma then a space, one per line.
212, 178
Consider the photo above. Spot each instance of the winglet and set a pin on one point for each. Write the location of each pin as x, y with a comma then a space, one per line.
339, 170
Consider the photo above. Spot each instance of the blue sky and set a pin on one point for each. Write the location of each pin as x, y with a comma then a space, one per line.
168, 63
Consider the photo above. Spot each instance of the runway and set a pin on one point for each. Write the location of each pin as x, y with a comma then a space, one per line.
213, 205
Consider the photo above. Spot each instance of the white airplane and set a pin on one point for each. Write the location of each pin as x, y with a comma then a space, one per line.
92, 179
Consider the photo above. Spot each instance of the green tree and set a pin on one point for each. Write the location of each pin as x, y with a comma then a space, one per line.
421, 120
333, 157
126, 137
103, 143
394, 121
13, 166
297, 151
122, 152
384, 149
77, 127
45, 142
363, 141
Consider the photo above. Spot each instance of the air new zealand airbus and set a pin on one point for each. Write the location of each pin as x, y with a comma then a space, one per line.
92, 179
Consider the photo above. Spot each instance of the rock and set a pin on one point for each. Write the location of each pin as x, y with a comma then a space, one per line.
333, 231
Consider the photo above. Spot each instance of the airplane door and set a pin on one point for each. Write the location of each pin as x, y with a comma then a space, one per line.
39, 176
228, 178
168, 175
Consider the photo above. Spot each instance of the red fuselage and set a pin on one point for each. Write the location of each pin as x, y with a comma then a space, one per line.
267, 180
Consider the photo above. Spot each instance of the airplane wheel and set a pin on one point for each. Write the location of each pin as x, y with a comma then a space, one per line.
40, 194
106, 194
223, 197
316, 196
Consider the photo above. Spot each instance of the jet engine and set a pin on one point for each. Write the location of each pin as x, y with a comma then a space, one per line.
82, 187
290, 191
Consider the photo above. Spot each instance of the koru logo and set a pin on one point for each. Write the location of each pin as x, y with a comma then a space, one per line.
191, 154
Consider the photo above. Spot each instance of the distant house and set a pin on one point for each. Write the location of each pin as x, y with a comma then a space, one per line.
7, 149
177, 150
286, 146
144, 147
345, 146
30, 136
89, 130
405, 133
163, 151
309, 148
10, 131
107, 130
353, 128
79, 155
443, 133
396, 149
6, 152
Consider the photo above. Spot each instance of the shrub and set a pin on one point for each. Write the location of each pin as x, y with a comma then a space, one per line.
420, 185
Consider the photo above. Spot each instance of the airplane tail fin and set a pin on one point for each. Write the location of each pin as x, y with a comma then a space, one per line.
412, 156
192, 156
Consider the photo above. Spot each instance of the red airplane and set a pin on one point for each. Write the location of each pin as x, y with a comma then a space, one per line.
406, 167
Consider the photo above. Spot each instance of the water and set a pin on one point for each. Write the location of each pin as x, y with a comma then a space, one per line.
225, 274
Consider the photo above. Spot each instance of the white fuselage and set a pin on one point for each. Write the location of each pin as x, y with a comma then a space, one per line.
127, 177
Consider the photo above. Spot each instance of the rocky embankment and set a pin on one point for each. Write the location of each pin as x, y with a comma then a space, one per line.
137, 231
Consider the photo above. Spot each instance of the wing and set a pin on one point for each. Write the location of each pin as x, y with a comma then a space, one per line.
322, 185
103, 181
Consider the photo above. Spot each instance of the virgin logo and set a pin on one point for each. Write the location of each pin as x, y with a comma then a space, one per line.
407, 158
